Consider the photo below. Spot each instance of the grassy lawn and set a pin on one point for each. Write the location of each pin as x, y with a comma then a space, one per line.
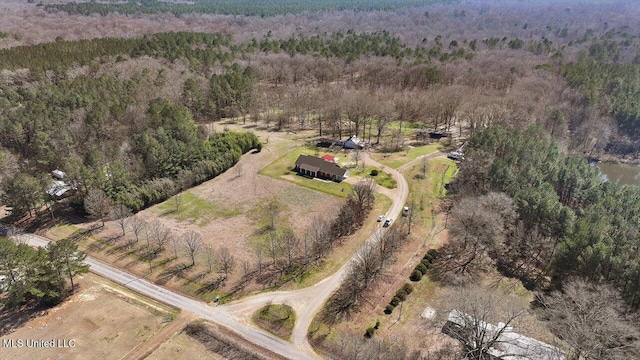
382, 179
194, 209
281, 169
276, 319
427, 191
395, 160
61, 231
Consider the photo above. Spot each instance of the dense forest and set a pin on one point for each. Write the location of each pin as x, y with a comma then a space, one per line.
533, 91
547, 218
242, 7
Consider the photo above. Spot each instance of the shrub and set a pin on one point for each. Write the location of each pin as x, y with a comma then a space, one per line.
423, 269
377, 326
389, 309
401, 294
407, 288
374, 172
433, 253
369, 333
426, 263
415, 276
395, 301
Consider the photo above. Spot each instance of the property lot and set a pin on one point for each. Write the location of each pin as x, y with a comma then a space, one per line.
183, 347
102, 321
228, 212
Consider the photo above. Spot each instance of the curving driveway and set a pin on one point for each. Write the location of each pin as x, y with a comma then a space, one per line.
236, 315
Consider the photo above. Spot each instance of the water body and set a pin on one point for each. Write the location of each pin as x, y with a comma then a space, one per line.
622, 174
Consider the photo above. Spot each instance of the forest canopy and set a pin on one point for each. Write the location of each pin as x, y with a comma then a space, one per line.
241, 7
569, 222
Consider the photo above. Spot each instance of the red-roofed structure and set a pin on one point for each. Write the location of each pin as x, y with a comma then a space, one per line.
329, 158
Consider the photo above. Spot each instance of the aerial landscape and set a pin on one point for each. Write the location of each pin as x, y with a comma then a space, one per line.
320, 179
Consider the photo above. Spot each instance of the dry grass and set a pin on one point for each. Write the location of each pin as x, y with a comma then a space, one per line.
226, 212
98, 334
183, 347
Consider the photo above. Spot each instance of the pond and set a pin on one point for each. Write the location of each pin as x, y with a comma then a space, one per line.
622, 174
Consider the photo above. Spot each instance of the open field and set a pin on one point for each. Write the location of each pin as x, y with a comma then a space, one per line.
192, 208
104, 320
183, 347
397, 159
228, 211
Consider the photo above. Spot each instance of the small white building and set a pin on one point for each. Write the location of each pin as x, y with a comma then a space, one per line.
509, 345
58, 188
58, 174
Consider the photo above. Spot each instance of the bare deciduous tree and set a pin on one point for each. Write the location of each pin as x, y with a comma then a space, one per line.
209, 257
121, 214
478, 226
226, 261
479, 318
97, 204
356, 155
138, 226
290, 245
591, 319
159, 234
362, 195
192, 244
273, 209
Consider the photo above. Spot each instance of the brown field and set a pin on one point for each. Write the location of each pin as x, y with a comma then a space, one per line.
104, 320
183, 347
226, 212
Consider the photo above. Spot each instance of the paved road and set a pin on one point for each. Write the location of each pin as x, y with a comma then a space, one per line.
213, 314
308, 301
236, 316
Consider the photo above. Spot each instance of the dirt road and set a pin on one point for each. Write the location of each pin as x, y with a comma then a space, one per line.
308, 301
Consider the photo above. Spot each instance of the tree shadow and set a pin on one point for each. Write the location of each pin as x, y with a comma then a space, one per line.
212, 285
174, 272
11, 319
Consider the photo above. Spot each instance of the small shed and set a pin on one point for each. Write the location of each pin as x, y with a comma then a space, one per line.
329, 158
354, 142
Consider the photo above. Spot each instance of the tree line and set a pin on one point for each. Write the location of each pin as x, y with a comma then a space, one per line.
38, 276
206, 50
282, 254
80, 126
242, 7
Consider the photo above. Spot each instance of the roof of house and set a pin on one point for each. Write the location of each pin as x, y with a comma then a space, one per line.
354, 141
321, 165
510, 345
329, 158
58, 188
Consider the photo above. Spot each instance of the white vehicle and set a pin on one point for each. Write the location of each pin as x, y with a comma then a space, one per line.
405, 211
387, 222
380, 218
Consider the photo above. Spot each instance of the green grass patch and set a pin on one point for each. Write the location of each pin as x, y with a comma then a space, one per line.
61, 231
395, 160
282, 169
382, 179
427, 191
276, 319
194, 209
